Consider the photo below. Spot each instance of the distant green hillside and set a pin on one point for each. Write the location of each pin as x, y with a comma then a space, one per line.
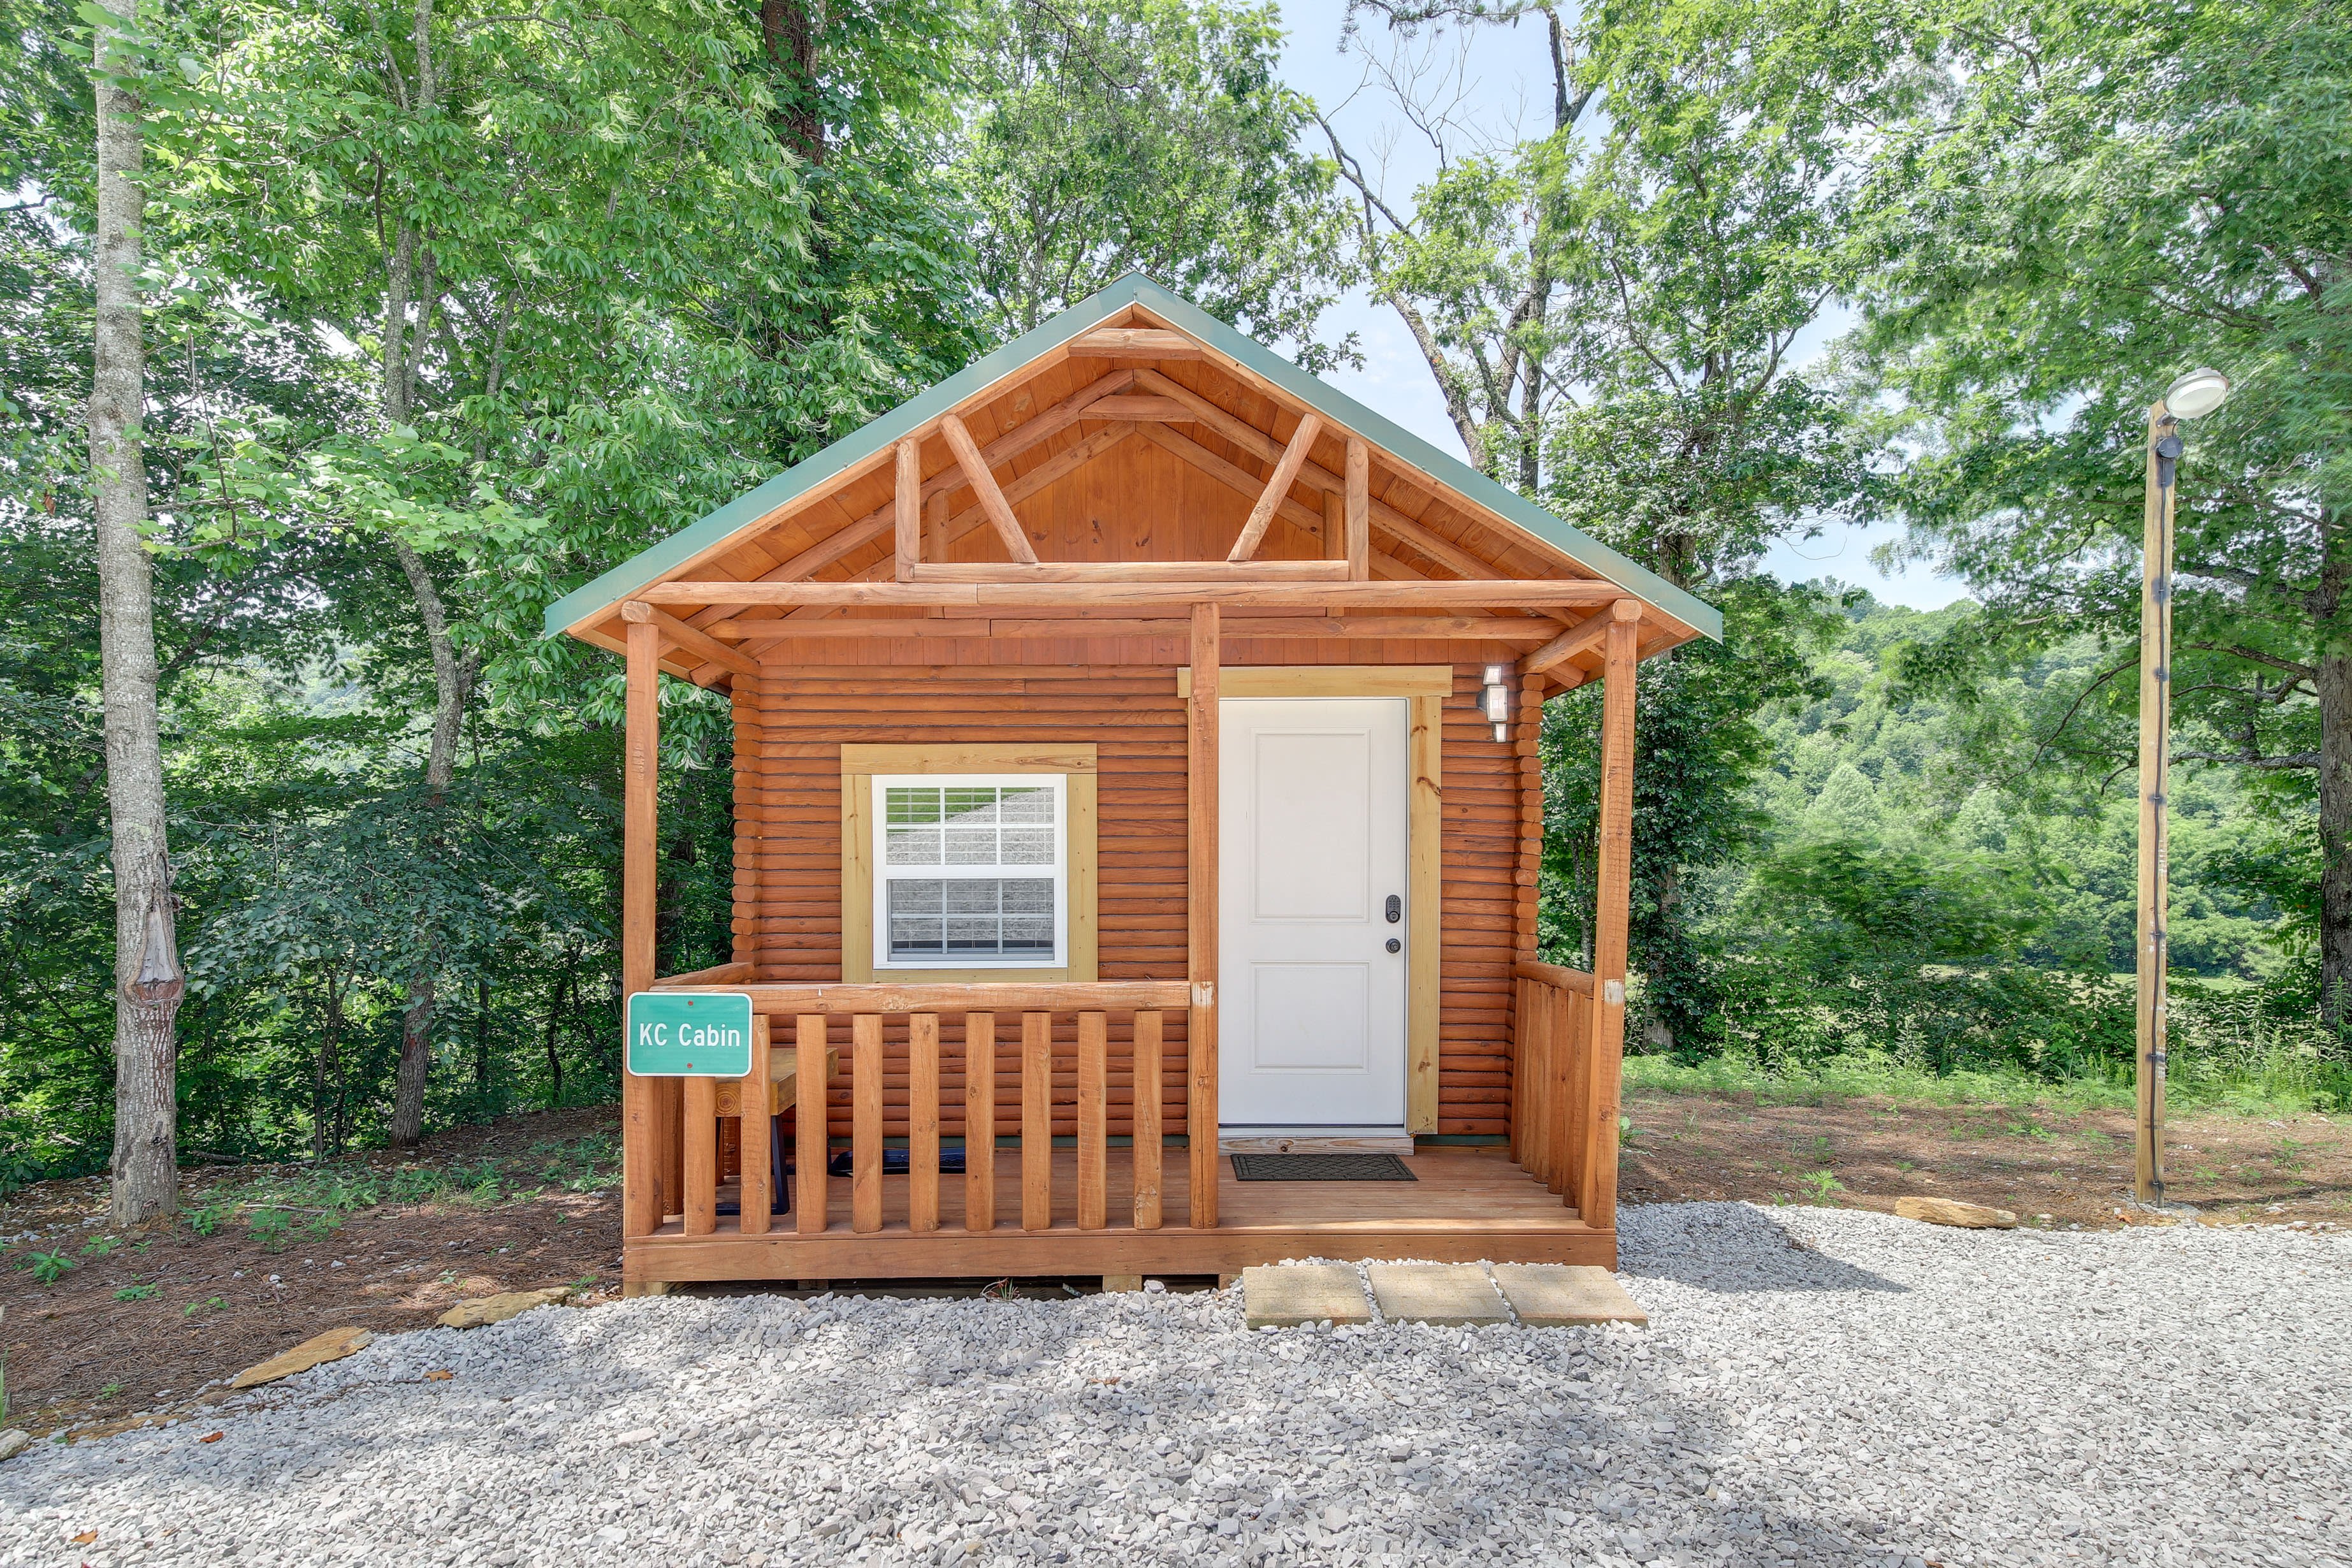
1918, 778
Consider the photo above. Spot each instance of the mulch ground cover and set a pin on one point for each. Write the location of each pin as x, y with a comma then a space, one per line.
138, 1327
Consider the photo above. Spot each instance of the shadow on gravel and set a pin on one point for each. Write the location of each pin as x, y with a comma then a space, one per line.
864, 1422
1733, 1248
922, 1398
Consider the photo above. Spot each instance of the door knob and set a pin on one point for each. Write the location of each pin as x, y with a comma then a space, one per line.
1396, 909
1395, 946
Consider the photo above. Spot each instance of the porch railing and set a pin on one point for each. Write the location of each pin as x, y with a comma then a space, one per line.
1550, 1083
1051, 1048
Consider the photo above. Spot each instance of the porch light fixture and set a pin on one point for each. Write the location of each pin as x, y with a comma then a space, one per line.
2199, 392
1495, 702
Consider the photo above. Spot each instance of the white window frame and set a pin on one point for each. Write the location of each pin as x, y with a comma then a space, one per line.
882, 874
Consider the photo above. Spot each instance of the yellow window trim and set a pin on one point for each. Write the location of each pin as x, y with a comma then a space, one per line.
1326, 681
859, 765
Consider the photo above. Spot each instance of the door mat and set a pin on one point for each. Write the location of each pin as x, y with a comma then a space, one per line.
1320, 1168
895, 1163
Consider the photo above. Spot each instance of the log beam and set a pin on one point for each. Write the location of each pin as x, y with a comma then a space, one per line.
1431, 628
1135, 343
708, 649
969, 519
1419, 594
907, 503
1277, 487
1039, 426
820, 1000
1358, 510
1137, 406
1578, 639
1383, 517
1232, 475
1131, 572
992, 504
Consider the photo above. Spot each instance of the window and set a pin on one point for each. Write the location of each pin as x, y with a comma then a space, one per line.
970, 871
968, 860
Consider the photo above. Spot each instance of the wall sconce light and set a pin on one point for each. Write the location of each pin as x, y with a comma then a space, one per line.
1495, 702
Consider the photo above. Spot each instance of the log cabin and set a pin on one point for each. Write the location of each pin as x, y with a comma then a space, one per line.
1134, 764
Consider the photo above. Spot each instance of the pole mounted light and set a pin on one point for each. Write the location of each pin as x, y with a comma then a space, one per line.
2199, 392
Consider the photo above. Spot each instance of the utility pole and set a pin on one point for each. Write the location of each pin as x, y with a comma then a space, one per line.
2198, 392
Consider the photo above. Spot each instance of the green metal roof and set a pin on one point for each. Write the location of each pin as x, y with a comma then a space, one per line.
650, 565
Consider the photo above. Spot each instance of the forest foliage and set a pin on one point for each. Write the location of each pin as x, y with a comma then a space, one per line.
452, 305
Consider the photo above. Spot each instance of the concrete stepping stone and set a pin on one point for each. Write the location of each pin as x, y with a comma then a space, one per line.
1283, 1295
1557, 1295
1445, 1293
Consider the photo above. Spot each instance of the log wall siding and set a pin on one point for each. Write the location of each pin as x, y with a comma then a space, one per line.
790, 727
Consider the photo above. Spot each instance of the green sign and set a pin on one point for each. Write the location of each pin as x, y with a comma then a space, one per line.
671, 1034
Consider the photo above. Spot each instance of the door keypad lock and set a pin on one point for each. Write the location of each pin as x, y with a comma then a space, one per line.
1396, 909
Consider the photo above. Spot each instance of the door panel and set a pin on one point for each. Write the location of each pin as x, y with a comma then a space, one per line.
1313, 847
1311, 1016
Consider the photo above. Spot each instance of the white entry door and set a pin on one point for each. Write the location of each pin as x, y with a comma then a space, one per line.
1312, 921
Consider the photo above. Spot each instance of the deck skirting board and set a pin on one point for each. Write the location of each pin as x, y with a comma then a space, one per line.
895, 1253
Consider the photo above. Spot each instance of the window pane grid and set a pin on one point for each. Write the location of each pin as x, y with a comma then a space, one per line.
969, 825
968, 918
970, 872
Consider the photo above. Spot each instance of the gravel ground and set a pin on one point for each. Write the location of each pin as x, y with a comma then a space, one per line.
1819, 1387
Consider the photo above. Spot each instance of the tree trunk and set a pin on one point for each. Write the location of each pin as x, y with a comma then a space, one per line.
452, 683
326, 1069
2334, 690
482, 1042
1659, 1031
146, 958
559, 1002
790, 29
452, 676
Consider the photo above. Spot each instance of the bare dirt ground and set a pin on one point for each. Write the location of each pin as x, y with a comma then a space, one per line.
142, 1324
2055, 1167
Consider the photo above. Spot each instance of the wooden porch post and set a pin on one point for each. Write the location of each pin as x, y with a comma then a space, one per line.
1526, 1069
1359, 482
1527, 873
1201, 911
642, 1191
1604, 1059
907, 503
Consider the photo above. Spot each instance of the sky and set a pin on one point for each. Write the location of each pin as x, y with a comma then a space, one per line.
1499, 83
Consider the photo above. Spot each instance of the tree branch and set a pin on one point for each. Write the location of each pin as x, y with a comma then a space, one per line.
2256, 656
2291, 760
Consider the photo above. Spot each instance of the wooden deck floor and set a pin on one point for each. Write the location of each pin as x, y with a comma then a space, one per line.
1464, 1206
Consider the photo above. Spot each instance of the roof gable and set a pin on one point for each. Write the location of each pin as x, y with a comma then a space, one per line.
816, 520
